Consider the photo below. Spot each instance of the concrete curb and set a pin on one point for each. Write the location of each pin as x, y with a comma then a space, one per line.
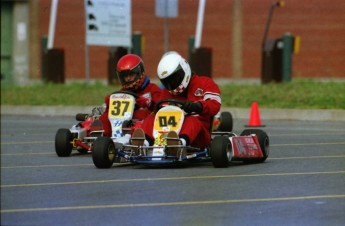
238, 113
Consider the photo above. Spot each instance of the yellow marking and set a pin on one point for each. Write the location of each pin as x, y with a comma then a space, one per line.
28, 142
73, 165
33, 153
297, 43
308, 157
306, 144
171, 178
303, 134
16, 167
200, 202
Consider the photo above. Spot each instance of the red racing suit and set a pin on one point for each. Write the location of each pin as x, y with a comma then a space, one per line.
151, 92
197, 128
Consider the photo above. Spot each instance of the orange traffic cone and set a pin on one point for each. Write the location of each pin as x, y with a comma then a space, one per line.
254, 120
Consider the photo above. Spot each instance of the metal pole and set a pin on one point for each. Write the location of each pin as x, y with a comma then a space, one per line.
199, 23
276, 4
166, 26
166, 34
52, 21
237, 39
87, 65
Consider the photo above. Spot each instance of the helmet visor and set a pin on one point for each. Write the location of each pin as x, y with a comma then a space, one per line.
128, 76
174, 80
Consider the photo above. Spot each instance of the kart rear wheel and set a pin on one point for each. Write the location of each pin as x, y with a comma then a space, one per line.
103, 153
63, 142
263, 141
221, 151
226, 122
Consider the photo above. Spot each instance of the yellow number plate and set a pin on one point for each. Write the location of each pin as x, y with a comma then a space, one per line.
120, 107
168, 120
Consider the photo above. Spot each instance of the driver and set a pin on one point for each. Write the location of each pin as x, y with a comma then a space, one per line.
131, 74
202, 102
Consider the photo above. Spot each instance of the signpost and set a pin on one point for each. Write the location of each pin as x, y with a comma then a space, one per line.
166, 9
107, 23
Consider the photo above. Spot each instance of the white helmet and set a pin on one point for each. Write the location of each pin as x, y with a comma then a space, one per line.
174, 72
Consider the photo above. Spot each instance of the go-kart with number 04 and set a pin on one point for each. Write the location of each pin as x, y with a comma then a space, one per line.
251, 146
81, 136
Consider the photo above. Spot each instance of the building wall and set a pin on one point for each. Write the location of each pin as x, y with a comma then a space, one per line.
320, 25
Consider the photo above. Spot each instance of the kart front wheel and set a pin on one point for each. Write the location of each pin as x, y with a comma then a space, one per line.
226, 122
103, 153
221, 151
264, 143
63, 142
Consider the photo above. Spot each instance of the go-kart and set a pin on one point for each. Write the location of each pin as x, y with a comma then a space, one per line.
251, 146
81, 136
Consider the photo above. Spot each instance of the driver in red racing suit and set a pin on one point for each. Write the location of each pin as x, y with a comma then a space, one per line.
202, 97
131, 74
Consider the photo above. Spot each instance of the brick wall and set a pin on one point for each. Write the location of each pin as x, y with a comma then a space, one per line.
319, 23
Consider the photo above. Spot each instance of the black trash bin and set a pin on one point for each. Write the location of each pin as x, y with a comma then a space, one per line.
277, 59
201, 61
54, 65
271, 67
115, 53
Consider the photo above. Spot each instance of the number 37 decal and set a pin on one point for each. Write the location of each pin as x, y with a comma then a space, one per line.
119, 108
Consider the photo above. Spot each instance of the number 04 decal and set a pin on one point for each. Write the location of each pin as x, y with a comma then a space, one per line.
168, 120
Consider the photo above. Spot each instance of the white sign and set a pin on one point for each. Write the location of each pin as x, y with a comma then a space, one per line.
108, 22
166, 8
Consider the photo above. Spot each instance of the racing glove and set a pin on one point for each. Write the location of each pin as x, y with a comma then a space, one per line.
195, 107
143, 102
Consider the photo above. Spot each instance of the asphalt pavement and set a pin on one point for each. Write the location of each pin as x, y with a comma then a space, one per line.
238, 113
301, 183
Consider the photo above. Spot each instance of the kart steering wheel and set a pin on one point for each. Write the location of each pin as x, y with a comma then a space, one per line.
174, 102
127, 92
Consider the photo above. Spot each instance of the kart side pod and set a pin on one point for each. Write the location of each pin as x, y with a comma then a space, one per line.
251, 146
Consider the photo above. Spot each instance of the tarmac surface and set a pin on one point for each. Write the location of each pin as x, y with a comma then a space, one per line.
238, 113
301, 183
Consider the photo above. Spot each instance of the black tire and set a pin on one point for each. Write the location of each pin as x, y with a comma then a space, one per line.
221, 151
263, 141
81, 117
226, 122
103, 153
63, 142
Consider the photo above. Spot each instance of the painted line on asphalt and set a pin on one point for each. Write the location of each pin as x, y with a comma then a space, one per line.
272, 145
170, 178
305, 134
43, 166
307, 157
160, 204
28, 142
74, 165
307, 144
32, 153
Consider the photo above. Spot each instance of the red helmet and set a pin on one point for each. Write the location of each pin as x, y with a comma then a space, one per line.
130, 71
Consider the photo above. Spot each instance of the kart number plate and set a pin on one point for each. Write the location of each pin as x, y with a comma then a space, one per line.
168, 120
121, 106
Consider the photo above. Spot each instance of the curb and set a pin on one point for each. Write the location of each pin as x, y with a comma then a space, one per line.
237, 113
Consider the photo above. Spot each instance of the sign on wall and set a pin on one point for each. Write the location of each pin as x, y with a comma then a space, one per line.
167, 8
108, 22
